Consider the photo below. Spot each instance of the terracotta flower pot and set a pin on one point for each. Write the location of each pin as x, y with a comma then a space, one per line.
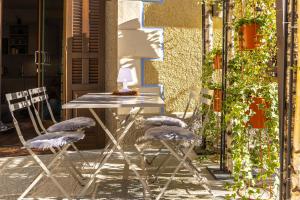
217, 100
249, 38
218, 61
258, 119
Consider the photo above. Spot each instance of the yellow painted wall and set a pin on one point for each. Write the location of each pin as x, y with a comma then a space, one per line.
180, 70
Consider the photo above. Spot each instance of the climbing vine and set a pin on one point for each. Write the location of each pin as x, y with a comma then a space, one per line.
254, 150
211, 79
252, 90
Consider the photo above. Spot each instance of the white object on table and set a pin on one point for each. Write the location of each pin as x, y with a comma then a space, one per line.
127, 76
93, 101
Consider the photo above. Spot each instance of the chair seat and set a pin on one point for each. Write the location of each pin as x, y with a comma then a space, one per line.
165, 120
57, 139
72, 124
169, 133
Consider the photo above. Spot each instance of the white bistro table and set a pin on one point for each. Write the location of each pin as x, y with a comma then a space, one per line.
93, 101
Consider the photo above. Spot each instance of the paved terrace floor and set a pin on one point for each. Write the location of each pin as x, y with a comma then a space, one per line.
114, 182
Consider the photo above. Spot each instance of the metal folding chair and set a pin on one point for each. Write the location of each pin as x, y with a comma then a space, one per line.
59, 140
175, 140
180, 121
39, 95
183, 121
161, 120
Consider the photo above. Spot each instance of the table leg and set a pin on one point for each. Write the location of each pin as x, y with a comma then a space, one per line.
116, 146
122, 123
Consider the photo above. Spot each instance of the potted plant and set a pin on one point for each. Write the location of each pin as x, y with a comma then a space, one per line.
258, 106
248, 32
251, 106
217, 58
217, 99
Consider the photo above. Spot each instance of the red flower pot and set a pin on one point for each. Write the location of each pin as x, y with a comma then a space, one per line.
218, 61
217, 100
249, 38
258, 119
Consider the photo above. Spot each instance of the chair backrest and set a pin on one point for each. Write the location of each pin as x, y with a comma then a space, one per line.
19, 101
205, 100
206, 97
193, 96
39, 95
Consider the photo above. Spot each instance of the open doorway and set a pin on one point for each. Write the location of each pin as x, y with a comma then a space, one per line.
32, 33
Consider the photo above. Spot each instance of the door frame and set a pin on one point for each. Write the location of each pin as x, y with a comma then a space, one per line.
40, 48
40, 41
1, 38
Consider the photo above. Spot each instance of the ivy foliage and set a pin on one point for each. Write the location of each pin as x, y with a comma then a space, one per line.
254, 152
260, 20
211, 79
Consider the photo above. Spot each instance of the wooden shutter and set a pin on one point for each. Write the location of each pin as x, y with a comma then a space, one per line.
84, 50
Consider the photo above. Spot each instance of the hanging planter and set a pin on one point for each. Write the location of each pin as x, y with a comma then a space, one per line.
248, 36
258, 119
218, 61
248, 33
217, 100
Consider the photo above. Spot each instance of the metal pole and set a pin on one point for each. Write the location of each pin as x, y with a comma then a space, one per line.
224, 72
283, 116
281, 22
290, 108
203, 33
1, 47
40, 23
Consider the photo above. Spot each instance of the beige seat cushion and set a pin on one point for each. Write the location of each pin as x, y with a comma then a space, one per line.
72, 124
169, 133
165, 120
51, 140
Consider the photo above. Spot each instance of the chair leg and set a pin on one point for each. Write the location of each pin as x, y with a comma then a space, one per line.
184, 161
38, 178
162, 164
74, 172
80, 154
71, 164
143, 160
143, 165
155, 156
47, 172
103, 154
188, 165
173, 174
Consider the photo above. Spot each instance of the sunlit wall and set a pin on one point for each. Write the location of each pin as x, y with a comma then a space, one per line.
180, 69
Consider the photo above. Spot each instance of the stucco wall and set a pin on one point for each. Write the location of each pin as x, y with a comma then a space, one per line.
180, 70
135, 43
